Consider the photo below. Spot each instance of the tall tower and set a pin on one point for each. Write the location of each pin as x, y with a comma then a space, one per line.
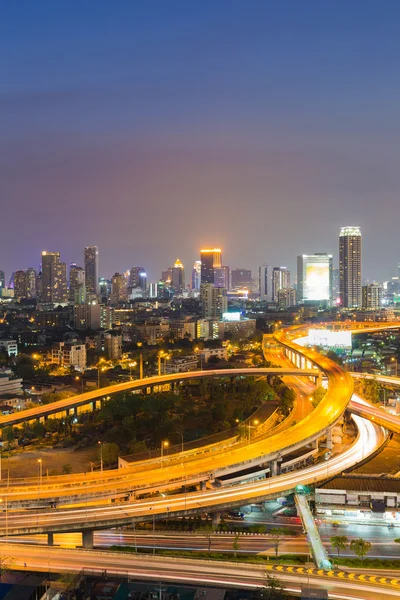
210, 259
138, 278
54, 278
314, 278
196, 275
350, 267
178, 276
92, 269
263, 282
77, 287
2, 281
280, 281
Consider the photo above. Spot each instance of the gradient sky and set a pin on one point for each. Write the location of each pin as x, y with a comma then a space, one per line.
151, 128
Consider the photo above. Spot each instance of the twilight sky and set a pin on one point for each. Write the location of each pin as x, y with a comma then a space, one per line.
153, 127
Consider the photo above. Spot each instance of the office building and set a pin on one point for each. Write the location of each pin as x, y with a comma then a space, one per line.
137, 278
372, 296
286, 297
118, 288
113, 346
92, 270
178, 277
196, 275
314, 278
280, 280
350, 267
240, 279
222, 277
25, 284
77, 284
263, 284
9, 346
54, 278
69, 355
213, 300
2, 280
210, 259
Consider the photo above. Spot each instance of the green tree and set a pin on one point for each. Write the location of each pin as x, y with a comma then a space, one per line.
236, 544
276, 536
273, 588
318, 394
39, 430
360, 547
207, 532
6, 563
66, 469
339, 542
333, 356
371, 390
110, 453
8, 434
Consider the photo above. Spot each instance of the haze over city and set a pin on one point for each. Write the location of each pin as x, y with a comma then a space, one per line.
154, 129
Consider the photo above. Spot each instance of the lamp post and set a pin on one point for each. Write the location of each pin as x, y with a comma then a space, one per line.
395, 362
6, 504
254, 426
101, 457
181, 434
164, 444
184, 471
40, 475
77, 378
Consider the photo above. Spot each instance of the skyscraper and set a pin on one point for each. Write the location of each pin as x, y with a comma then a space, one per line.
240, 278
118, 288
2, 280
137, 278
178, 276
54, 278
314, 278
196, 275
263, 285
350, 267
213, 300
77, 285
280, 280
372, 296
210, 260
222, 277
92, 270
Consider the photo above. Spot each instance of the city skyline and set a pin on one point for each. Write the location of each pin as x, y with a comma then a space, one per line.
120, 137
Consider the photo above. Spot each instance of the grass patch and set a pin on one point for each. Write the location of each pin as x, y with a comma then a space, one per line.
290, 559
369, 563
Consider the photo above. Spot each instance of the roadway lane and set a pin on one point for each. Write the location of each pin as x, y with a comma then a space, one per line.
36, 558
370, 438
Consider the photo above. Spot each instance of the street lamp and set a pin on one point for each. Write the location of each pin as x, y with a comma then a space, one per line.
395, 361
254, 426
181, 434
164, 444
101, 456
77, 378
40, 475
6, 503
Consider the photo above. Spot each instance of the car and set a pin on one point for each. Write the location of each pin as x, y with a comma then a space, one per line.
238, 516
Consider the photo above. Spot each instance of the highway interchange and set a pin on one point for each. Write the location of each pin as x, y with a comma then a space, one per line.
181, 469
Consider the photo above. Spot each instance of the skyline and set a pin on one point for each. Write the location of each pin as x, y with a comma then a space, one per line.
152, 129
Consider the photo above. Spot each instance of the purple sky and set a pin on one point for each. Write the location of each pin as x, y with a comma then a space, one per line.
153, 128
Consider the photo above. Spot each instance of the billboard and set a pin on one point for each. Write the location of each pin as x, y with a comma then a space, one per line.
329, 339
231, 316
316, 280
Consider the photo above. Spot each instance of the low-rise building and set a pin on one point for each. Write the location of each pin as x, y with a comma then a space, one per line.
227, 329
183, 364
69, 355
206, 353
10, 346
9, 384
113, 346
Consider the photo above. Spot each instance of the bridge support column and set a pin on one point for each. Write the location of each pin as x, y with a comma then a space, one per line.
87, 539
274, 468
314, 444
50, 539
329, 442
75, 411
94, 405
216, 519
203, 485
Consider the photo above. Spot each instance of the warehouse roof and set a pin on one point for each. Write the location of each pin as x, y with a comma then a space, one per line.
363, 484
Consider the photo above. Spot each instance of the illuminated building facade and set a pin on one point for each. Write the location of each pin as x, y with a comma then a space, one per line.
178, 277
314, 278
214, 301
211, 259
372, 294
54, 278
92, 270
280, 280
196, 275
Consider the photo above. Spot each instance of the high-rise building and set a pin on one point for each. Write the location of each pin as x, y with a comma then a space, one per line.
214, 301
196, 275
240, 279
118, 288
25, 284
222, 277
77, 284
350, 267
92, 270
137, 278
314, 278
280, 280
263, 285
372, 296
210, 260
54, 278
2, 280
178, 276
286, 297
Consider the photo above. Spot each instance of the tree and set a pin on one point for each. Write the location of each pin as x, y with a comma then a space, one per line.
8, 434
276, 536
110, 453
371, 390
6, 563
318, 394
333, 356
274, 589
207, 532
39, 430
66, 469
236, 544
360, 547
340, 542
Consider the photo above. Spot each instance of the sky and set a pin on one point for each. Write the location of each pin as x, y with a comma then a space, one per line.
152, 128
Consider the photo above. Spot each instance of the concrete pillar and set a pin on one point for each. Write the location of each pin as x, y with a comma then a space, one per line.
329, 442
87, 539
203, 485
216, 519
94, 405
314, 444
273, 468
75, 411
50, 539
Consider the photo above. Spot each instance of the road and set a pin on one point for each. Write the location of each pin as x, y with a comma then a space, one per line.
45, 559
